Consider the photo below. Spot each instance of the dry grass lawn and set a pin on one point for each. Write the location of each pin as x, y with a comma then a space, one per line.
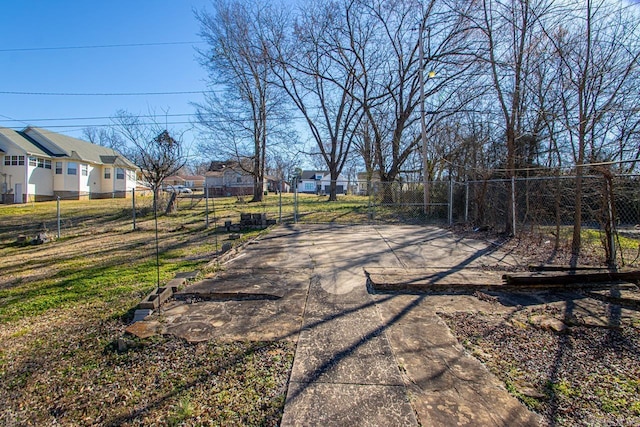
64, 305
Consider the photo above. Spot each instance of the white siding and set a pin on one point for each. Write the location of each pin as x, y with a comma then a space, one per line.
16, 174
40, 181
70, 182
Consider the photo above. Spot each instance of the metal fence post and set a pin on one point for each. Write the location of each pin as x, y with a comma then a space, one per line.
215, 222
280, 202
133, 206
206, 207
450, 201
513, 204
295, 203
58, 213
612, 263
466, 202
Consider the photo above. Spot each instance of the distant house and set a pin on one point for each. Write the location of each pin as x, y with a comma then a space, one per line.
228, 179
319, 182
275, 185
368, 183
189, 181
38, 164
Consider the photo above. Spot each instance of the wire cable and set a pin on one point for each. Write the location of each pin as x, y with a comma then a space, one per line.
61, 119
102, 46
184, 92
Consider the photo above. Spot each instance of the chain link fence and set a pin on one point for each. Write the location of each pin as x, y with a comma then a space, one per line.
551, 201
541, 204
536, 201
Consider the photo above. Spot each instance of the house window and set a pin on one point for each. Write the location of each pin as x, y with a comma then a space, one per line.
107, 173
14, 160
239, 179
84, 170
309, 186
58, 168
72, 168
119, 173
40, 162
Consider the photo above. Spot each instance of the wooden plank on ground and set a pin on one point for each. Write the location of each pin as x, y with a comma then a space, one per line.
571, 277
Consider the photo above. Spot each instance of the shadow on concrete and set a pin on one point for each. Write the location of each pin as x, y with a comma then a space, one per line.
350, 348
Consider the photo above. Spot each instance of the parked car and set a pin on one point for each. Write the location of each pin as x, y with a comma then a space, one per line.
178, 189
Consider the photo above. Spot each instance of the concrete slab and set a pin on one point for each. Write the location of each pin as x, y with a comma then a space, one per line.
348, 348
257, 283
321, 404
447, 385
361, 359
238, 304
433, 247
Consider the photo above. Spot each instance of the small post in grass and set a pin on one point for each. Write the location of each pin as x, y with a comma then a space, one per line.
58, 213
133, 206
206, 207
280, 201
215, 222
155, 218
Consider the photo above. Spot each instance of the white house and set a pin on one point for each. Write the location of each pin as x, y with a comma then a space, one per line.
38, 164
319, 182
368, 183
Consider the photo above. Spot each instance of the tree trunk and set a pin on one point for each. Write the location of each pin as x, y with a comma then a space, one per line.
511, 162
386, 187
557, 200
332, 187
258, 189
577, 215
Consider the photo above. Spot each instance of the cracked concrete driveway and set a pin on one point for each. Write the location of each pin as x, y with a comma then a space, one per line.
361, 358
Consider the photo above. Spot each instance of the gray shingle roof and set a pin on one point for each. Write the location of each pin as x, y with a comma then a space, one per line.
65, 146
24, 143
312, 174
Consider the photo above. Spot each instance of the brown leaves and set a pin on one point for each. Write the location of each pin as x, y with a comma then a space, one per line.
66, 369
582, 376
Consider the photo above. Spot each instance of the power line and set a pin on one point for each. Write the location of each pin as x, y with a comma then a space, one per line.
102, 46
185, 92
61, 119
106, 125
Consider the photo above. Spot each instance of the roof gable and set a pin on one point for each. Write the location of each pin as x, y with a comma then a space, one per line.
312, 174
65, 146
10, 137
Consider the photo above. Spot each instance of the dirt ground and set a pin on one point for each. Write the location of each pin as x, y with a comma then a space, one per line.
572, 357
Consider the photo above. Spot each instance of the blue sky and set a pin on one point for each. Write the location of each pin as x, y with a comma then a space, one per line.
29, 28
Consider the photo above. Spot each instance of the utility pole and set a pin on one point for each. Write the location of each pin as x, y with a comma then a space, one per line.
425, 165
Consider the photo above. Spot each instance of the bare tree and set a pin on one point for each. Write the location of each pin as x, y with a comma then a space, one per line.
511, 30
243, 112
598, 51
319, 75
387, 37
363, 147
107, 137
155, 151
